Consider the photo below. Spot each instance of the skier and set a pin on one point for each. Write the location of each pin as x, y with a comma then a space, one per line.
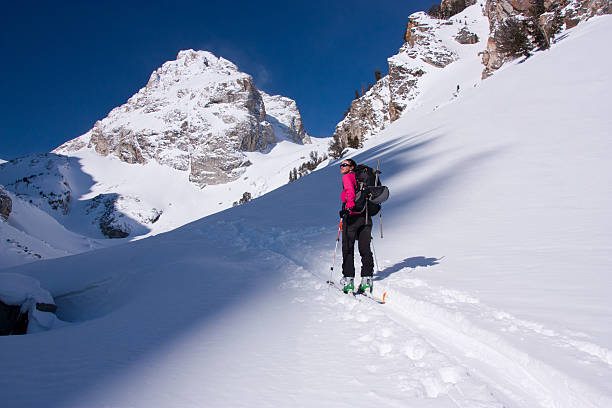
355, 226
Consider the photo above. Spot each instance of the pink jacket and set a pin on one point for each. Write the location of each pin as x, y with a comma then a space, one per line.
349, 182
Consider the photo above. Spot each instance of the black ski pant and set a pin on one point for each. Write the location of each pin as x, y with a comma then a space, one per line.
355, 227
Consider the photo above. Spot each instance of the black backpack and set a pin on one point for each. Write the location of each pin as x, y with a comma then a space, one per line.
369, 193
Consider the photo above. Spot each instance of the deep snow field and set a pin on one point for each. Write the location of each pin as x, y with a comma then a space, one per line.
495, 260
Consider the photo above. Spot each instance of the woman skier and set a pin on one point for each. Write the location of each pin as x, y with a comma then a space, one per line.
355, 226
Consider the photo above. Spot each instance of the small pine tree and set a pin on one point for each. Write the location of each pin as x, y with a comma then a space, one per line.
246, 197
512, 40
434, 11
557, 22
377, 75
353, 142
356, 94
540, 39
535, 29
337, 148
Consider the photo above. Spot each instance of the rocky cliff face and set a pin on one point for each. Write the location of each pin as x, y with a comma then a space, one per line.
196, 114
422, 52
283, 114
571, 11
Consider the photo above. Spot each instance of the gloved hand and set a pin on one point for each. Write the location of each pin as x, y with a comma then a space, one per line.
344, 212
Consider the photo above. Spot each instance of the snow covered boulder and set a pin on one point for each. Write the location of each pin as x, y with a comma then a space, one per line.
24, 305
6, 204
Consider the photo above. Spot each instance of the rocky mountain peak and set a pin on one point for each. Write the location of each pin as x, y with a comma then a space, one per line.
198, 114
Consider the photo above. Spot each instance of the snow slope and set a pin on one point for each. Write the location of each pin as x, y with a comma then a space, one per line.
495, 259
31, 234
64, 215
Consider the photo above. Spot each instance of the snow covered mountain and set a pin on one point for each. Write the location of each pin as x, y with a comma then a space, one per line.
197, 139
495, 261
197, 114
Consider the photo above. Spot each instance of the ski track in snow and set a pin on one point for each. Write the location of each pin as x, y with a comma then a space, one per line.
392, 353
430, 342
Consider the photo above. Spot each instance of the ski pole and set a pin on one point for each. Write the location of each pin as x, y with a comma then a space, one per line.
331, 270
376, 184
375, 258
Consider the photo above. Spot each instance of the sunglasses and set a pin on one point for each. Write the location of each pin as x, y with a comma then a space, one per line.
345, 165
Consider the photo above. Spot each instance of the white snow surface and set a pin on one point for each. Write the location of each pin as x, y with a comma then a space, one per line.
495, 261
31, 234
25, 291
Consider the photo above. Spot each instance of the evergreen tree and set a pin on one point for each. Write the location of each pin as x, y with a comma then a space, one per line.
337, 148
434, 11
377, 75
353, 142
541, 39
512, 40
557, 22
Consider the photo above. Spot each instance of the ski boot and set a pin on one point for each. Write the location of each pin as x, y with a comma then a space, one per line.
348, 284
365, 285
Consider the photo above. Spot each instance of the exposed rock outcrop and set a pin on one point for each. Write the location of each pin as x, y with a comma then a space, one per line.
389, 97
196, 114
571, 11
6, 204
465, 36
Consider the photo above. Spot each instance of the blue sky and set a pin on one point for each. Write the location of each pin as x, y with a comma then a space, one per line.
67, 64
